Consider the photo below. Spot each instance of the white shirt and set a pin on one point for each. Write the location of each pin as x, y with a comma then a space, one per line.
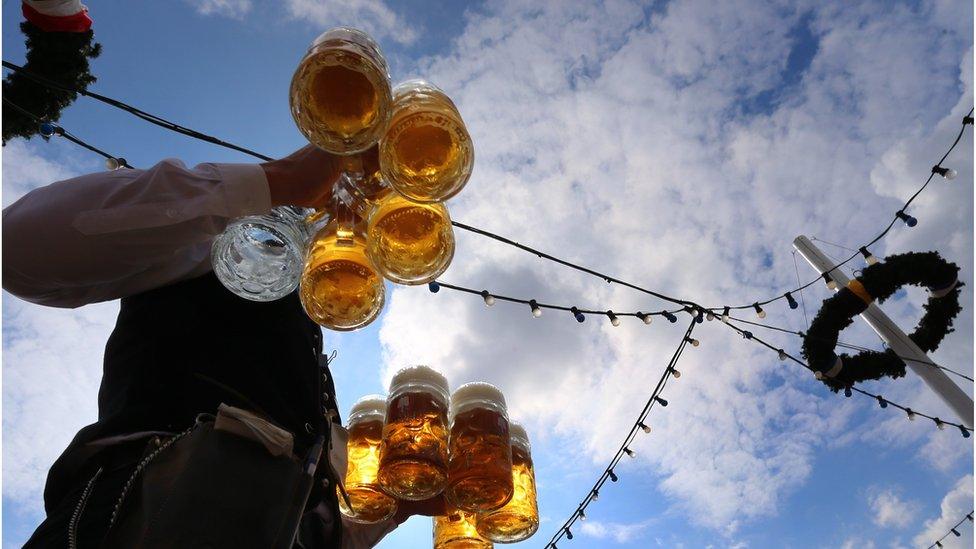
108, 235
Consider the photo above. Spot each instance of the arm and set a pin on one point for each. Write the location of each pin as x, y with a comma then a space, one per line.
107, 235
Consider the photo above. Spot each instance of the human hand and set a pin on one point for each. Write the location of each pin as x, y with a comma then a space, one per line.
433, 507
306, 176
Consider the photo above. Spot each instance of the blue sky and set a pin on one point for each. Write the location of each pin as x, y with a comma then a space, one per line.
681, 145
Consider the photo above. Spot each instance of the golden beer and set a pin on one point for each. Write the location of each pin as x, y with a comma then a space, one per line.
480, 468
519, 519
368, 502
413, 455
457, 530
340, 94
340, 289
426, 153
409, 243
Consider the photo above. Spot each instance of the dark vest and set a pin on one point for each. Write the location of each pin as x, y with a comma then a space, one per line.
183, 349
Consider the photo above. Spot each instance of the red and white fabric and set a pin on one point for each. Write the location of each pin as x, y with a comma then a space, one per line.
57, 15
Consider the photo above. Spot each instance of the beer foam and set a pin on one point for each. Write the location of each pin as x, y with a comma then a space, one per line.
423, 374
477, 390
369, 403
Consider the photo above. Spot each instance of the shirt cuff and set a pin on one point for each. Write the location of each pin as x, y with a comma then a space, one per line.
246, 189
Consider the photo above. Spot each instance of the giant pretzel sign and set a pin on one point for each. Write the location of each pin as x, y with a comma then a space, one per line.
879, 282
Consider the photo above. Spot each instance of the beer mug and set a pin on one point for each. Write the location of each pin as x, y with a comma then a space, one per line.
340, 289
426, 153
413, 456
480, 467
260, 257
519, 518
369, 503
457, 530
340, 94
409, 243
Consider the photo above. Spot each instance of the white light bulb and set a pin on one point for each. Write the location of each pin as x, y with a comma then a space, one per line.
675, 373
112, 163
615, 321
647, 319
536, 312
761, 314
831, 284
710, 316
695, 343
872, 260
646, 428
951, 174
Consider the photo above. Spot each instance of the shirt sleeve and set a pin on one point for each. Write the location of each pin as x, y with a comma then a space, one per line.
107, 235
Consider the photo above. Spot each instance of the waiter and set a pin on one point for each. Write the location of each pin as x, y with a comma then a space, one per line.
182, 344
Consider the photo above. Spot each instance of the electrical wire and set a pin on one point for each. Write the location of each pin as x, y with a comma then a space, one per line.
608, 473
953, 531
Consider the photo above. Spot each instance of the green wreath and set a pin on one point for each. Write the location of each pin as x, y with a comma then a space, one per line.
59, 56
880, 281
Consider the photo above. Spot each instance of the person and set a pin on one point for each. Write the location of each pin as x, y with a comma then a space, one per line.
182, 344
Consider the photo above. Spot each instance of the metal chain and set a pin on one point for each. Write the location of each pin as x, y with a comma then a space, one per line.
79, 509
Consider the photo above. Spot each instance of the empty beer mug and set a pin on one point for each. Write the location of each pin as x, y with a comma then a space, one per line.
409, 243
340, 94
519, 519
457, 530
340, 288
369, 504
413, 458
426, 153
480, 467
260, 257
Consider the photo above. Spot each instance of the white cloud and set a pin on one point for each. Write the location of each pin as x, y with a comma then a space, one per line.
373, 16
955, 506
235, 9
618, 532
615, 137
24, 169
890, 510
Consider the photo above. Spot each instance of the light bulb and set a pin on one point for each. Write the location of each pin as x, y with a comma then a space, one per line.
831, 283
675, 372
577, 314
614, 319
596, 495
630, 452
965, 433
536, 310
782, 354
489, 299
940, 424
911, 414
582, 515
792, 302
645, 317
112, 163
47, 129
951, 174
725, 315
645, 427
909, 220
759, 310
710, 316
694, 342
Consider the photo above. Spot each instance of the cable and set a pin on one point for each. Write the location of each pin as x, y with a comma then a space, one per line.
900, 214
954, 530
608, 473
58, 130
883, 402
151, 118
850, 346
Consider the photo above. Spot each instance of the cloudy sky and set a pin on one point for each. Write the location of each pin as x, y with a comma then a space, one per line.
681, 145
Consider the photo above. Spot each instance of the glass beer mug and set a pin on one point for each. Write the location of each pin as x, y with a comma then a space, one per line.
518, 520
457, 530
480, 468
369, 503
409, 243
340, 289
426, 153
413, 456
340, 94
260, 257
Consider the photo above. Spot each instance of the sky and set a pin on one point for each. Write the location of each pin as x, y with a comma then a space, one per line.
680, 145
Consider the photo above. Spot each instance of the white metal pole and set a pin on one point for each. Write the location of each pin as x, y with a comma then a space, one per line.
897, 340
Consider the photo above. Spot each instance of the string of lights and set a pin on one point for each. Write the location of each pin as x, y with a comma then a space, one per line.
900, 215
848, 345
48, 129
954, 531
850, 390
536, 307
640, 425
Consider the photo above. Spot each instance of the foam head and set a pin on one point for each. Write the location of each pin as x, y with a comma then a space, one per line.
369, 404
420, 374
471, 394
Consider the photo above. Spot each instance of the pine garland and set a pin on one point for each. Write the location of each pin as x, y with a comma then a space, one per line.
60, 56
881, 281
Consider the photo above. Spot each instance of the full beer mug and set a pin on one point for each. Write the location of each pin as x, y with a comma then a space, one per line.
426, 153
518, 520
260, 257
480, 468
340, 288
340, 94
409, 243
369, 503
457, 530
413, 458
